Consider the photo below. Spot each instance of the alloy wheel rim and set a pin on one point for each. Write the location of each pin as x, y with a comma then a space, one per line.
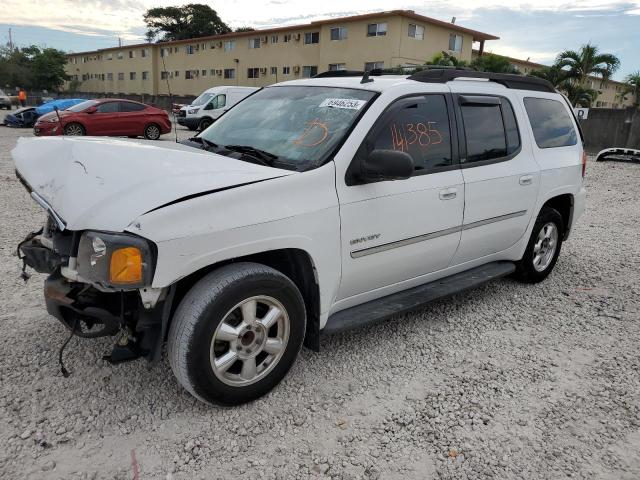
74, 130
249, 341
545, 247
153, 132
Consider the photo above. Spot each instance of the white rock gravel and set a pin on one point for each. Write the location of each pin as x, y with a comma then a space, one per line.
508, 381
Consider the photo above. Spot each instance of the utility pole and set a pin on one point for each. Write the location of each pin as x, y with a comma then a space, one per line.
119, 41
10, 40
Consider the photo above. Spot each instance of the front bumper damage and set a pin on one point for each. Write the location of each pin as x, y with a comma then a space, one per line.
91, 313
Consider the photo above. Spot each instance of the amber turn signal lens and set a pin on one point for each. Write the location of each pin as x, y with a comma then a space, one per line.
126, 266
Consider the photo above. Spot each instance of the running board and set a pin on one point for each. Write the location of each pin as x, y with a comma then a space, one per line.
407, 300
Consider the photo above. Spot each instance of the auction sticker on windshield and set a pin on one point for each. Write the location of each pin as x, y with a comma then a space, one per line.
349, 103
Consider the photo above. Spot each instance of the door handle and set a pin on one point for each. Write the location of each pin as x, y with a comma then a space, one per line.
526, 180
448, 193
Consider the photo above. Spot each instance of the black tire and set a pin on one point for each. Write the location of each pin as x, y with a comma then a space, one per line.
526, 269
72, 129
204, 124
203, 309
152, 131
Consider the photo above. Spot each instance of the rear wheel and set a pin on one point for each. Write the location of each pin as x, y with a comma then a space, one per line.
152, 132
236, 333
543, 248
204, 124
74, 129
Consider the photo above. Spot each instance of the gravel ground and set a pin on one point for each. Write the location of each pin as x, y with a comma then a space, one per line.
508, 381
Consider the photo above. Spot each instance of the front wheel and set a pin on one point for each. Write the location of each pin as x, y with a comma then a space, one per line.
74, 129
236, 333
204, 124
543, 248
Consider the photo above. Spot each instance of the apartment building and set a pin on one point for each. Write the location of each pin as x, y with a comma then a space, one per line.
263, 57
612, 93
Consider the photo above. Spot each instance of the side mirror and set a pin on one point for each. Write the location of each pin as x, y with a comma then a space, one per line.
91, 110
387, 165
208, 106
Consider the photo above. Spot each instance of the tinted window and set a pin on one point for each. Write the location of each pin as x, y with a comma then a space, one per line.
109, 107
131, 107
419, 127
491, 129
550, 122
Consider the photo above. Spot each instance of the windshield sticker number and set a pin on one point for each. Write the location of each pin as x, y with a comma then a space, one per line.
315, 133
403, 136
348, 103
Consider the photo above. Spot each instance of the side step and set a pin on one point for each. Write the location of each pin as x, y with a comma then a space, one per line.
407, 300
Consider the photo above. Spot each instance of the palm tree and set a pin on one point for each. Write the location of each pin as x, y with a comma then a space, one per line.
446, 60
490, 62
633, 82
579, 95
553, 74
588, 61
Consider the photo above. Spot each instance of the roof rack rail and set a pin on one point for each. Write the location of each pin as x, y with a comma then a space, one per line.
520, 82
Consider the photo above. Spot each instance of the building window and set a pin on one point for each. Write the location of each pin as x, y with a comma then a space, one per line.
229, 73
339, 33
190, 49
175, 49
254, 43
120, 55
286, 38
204, 72
309, 71
110, 76
416, 31
376, 30
212, 72
144, 52
253, 72
164, 52
145, 75
229, 45
132, 54
164, 75
368, 66
455, 42
120, 76
286, 70
311, 37
274, 38
132, 75
274, 70
109, 56
190, 74
176, 73
337, 66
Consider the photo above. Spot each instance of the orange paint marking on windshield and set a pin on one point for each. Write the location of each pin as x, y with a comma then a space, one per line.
314, 127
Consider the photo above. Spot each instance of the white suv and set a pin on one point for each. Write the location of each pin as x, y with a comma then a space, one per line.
311, 207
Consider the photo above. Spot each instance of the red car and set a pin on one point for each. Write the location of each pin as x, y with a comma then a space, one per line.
106, 116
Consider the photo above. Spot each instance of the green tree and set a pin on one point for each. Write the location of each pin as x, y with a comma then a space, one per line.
553, 74
245, 29
490, 62
588, 61
579, 95
446, 60
633, 82
179, 23
33, 68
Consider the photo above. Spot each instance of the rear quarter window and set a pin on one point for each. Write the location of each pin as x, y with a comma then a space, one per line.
551, 124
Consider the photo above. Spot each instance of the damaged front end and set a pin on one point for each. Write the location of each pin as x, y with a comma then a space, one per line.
99, 285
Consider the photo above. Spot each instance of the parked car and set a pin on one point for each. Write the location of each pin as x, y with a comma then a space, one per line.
314, 206
61, 104
212, 103
22, 118
107, 116
5, 100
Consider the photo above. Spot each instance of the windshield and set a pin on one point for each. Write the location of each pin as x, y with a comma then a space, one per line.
301, 125
202, 99
82, 106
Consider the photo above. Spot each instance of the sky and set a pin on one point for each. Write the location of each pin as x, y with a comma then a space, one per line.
534, 29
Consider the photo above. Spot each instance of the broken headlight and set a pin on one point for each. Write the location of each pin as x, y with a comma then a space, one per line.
116, 260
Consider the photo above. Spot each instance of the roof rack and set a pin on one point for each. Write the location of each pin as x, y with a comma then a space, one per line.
509, 80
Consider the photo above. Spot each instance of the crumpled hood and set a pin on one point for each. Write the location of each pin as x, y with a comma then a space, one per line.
105, 184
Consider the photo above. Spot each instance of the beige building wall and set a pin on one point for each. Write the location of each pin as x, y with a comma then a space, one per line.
204, 60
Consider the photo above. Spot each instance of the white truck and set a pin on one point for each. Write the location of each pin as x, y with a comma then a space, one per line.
312, 207
212, 103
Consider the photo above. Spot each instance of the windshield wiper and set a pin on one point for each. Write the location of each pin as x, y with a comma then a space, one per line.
266, 157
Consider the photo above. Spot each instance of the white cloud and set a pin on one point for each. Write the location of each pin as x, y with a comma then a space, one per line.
536, 56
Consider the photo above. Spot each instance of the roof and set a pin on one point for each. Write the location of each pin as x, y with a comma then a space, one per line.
477, 36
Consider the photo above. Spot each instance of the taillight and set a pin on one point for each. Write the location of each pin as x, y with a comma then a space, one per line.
584, 163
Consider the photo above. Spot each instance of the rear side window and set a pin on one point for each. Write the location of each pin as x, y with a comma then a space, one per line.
490, 127
418, 126
550, 122
131, 107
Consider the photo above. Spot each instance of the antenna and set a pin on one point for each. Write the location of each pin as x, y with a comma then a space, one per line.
55, 108
166, 77
453, 19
